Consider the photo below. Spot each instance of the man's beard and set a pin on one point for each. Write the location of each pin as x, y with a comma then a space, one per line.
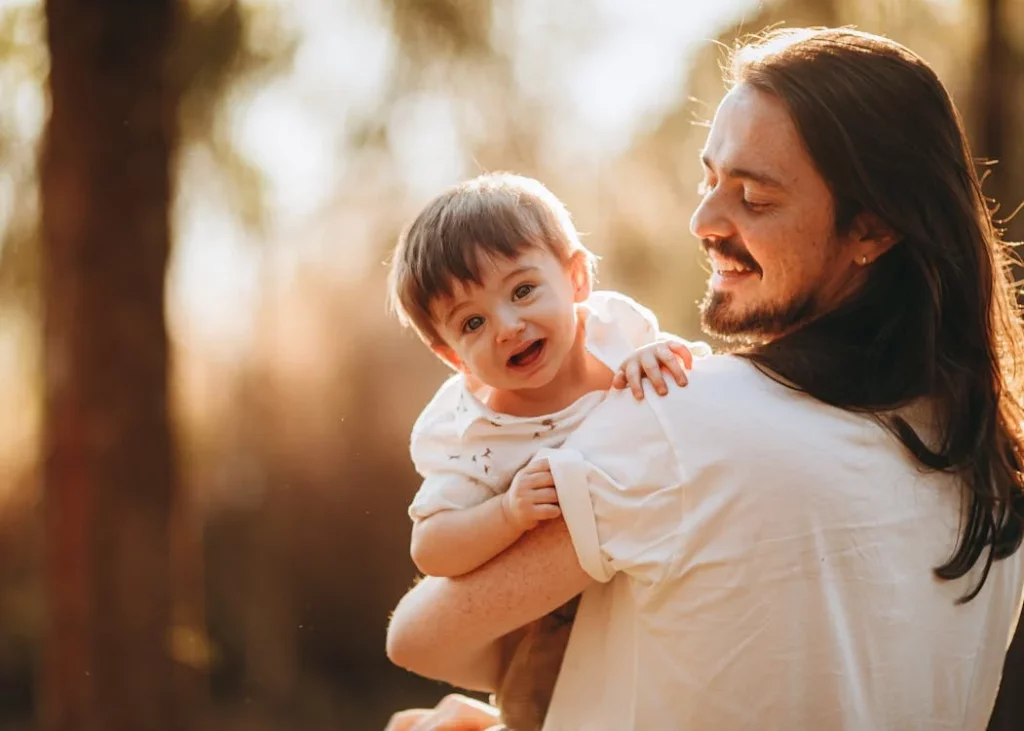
760, 324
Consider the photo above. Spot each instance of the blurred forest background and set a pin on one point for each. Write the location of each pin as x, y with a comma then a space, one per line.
243, 168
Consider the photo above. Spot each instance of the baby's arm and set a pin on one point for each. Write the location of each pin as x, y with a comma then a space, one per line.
456, 541
653, 349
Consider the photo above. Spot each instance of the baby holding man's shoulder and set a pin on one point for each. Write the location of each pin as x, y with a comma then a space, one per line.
493, 278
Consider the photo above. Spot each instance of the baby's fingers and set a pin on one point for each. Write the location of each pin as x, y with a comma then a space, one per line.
681, 349
544, 495
631, 369
540, 465
670, 361
652, 369
620, 379
539, 479
546, 511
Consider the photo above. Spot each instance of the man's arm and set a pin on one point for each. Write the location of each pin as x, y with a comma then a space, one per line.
450, 629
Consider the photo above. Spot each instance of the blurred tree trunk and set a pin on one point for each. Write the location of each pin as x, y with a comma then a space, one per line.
108, 472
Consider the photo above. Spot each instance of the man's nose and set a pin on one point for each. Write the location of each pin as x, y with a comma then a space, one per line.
710, 221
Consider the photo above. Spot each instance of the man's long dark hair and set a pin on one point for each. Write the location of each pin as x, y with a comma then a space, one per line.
938, 318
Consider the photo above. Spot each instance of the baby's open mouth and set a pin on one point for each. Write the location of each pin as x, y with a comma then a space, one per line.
527, 355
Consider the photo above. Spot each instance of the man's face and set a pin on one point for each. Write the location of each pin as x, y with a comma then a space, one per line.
766, 221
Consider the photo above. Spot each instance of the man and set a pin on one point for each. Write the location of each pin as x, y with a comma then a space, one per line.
822, 529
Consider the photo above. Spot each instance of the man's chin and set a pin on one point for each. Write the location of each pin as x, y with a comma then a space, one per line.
721, 318
733, 332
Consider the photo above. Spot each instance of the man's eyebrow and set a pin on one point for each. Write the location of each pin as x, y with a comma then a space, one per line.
745, 173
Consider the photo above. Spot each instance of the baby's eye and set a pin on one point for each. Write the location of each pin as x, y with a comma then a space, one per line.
473, 323
522, 291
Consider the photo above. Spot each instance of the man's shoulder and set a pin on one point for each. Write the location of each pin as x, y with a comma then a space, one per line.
722, 389
660, 439
716, 380
731, 404
621, 421
713, 373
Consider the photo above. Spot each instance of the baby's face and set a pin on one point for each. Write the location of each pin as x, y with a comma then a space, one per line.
515, 329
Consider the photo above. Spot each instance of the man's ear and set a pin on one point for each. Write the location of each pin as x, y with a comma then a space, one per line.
579, 273
450, 357
872, 237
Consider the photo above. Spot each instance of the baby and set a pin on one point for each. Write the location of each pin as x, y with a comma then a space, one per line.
493, 278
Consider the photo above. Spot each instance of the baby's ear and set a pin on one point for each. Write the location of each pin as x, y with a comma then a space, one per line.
579, 273
449, 356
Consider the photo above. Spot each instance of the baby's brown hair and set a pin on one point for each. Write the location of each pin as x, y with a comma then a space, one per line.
496, 215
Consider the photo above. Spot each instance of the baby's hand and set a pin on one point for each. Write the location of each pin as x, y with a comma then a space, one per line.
532, 497
672, 355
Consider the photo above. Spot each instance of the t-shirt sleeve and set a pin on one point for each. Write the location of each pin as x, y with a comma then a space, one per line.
619, 488
621, 325
438, 455
629, 320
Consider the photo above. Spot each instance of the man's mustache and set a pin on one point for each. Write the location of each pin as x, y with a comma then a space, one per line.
732, 249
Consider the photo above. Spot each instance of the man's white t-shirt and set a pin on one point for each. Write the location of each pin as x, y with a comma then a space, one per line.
766, 562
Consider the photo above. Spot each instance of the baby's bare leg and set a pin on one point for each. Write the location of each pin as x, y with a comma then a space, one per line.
528, 682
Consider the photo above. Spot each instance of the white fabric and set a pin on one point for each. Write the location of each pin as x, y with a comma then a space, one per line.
766, 562
467, 453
